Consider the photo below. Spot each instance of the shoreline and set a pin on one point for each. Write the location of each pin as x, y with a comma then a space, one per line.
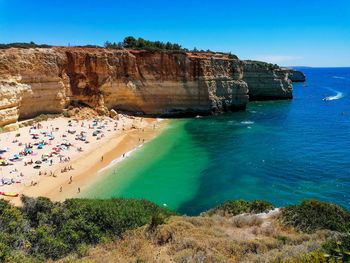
89, 166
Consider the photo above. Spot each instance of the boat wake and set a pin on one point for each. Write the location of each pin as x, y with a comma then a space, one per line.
337, 96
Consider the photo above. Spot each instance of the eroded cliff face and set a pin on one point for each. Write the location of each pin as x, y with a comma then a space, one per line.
266, 81
139, 82
42, 71
11, 94
155, 83
295, 75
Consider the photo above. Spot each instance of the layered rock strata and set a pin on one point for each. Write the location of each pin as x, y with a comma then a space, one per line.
156, 83
139, 82
11, 94
295, 75
266, 81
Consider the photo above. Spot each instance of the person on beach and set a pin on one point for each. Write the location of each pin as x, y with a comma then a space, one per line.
102, 158
70, 179
61, 189
78, 189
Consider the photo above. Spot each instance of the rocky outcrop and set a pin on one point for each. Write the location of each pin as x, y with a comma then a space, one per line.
266, 81
295, 75
139, 82
42, 71
11, 93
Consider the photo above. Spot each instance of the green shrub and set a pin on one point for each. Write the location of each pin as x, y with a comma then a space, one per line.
339, 249
23, 45
317, 256
156, 220
43, 229
312, 215
115, 216
237, 207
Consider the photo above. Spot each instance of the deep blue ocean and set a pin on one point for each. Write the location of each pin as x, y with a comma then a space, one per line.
280, 151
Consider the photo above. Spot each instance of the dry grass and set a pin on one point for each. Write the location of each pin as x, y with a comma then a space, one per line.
243, 238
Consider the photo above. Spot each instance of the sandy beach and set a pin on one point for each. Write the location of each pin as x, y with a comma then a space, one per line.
59, 158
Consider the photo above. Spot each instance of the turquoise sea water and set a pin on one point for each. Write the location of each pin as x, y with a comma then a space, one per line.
280, 151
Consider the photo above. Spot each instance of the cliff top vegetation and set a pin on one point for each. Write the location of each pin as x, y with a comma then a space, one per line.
23, 45
128, 43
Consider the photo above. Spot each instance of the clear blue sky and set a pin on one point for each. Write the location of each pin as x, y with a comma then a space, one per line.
287, 32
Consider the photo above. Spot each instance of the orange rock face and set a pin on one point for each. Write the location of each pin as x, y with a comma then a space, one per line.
139, 82
155, 83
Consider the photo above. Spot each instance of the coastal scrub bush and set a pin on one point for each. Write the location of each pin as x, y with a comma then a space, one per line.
237, 207
312, 215
115, 216
246, 220
23, 45
42, 229
339, 248
317, 256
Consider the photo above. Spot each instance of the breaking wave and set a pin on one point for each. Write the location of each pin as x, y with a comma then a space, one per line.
247, 122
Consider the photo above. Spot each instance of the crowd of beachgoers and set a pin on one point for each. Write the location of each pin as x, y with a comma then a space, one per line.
47, 149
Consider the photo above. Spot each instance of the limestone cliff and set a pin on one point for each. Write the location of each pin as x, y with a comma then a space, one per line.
295, 75
139, 82
42, 71
11, 93
266, 81
155, 83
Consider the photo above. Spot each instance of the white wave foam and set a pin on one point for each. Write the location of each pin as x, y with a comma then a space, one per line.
119, 159
337, 77
247, 122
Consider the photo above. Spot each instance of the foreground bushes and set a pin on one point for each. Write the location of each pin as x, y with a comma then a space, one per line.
237, 207
312, 215
44, 229
339, 248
